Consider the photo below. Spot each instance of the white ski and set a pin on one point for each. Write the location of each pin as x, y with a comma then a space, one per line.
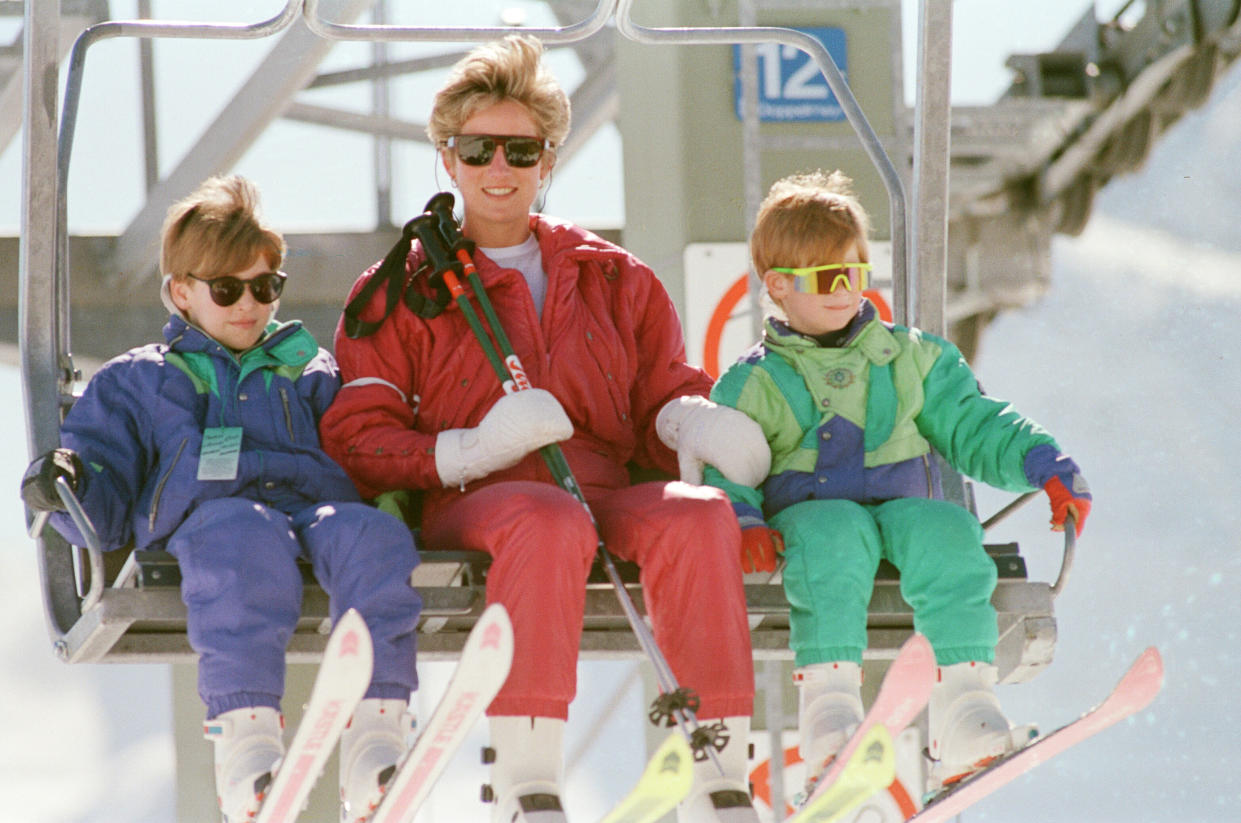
480, 673
342, 680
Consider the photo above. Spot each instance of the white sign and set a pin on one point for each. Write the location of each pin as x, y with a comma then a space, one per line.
722, 317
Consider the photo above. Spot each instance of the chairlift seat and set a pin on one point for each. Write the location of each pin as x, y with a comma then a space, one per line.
140, 616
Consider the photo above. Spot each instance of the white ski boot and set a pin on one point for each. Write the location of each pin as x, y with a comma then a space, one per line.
716, 798
829, 711
967, 728
248, 746
377, 737
526, 759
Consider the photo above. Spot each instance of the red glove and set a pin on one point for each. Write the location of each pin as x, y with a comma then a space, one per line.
759, 545
1065, 500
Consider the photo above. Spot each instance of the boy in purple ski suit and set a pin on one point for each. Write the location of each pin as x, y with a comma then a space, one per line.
207, 446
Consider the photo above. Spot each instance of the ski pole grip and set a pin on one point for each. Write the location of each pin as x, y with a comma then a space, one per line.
440, 206
425, 229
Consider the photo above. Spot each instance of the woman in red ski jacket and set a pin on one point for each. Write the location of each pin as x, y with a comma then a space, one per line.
422, 409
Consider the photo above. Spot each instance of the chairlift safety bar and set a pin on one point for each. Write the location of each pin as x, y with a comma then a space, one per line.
454, 34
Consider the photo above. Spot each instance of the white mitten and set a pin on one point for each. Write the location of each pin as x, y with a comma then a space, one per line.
516, 425
700, 431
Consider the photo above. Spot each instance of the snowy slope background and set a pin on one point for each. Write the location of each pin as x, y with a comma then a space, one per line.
1132, 360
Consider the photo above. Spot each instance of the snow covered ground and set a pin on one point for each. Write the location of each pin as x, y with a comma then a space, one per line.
1133, 362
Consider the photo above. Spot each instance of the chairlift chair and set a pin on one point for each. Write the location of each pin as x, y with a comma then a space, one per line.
125, 606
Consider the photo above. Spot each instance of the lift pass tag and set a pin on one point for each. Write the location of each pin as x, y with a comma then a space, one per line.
221, 450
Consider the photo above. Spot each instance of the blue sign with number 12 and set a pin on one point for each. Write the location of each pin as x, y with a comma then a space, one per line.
790, 86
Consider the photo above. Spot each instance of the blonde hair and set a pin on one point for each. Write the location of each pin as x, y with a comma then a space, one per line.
508, 69
807, 220
217, 230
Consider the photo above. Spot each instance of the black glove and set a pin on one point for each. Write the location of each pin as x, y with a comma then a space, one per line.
39, 485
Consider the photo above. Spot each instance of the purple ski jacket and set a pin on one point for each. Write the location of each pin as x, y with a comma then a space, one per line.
139, 429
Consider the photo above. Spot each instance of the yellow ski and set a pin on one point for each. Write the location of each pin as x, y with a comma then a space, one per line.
870, 770
664, 783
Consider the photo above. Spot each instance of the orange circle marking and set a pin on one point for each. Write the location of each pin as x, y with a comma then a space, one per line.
728, 304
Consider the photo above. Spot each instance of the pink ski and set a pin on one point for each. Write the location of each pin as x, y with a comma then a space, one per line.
342, 680
904, 693
480, 673
1136, 690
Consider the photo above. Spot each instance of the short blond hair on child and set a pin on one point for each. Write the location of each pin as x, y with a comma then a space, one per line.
507, 69
218, 230
808, 219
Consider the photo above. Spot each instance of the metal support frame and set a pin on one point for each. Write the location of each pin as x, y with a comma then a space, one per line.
932, 127
562, 34
382, 144
38, 317
285, 71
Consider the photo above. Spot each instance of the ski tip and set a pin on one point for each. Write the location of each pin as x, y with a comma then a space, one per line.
1139, 686
877, 756
350, 637
492, 635
496, 613
869, 770
918, 642
919, 655
496, 616
1149, 667
665, 782
913, 670
673, 766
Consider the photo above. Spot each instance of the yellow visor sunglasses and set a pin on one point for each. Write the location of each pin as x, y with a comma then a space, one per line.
812, 280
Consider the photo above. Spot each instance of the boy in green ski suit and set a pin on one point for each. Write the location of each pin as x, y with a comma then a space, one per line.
852, 408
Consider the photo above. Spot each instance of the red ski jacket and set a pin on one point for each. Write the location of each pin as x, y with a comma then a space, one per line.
608, 346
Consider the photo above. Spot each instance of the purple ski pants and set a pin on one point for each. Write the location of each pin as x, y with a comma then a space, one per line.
243, 592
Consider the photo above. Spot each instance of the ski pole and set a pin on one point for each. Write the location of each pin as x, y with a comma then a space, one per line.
440, 206
437, 230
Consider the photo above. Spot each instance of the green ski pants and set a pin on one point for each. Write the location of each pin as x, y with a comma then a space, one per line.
833, 549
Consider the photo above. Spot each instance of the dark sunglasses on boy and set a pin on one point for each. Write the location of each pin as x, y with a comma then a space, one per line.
227, 290
479, 149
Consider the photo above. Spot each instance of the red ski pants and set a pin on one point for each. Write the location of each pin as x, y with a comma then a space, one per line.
684, 538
